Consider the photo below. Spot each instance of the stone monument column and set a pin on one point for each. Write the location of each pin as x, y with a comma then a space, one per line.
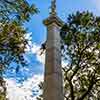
53, 82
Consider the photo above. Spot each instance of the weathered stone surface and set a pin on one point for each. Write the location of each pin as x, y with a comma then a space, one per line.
53, 84
53, 87
53, 62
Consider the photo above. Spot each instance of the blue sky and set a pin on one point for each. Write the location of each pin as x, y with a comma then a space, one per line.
64, 8
38, 36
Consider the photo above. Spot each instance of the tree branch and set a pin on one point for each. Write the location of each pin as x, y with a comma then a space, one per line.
11, 3
80, 55
71, 88
92, 82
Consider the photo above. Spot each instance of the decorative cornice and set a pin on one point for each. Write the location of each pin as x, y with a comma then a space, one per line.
53, 19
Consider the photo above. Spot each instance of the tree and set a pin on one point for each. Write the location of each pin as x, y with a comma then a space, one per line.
81, 50
19, 10
13, 15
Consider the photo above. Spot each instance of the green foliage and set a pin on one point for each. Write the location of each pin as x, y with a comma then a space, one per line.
13, 15
12, 44
2, 89
81, 42
18, 10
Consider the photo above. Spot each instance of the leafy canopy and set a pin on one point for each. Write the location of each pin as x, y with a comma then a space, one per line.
13, 15
81, 50
19, 10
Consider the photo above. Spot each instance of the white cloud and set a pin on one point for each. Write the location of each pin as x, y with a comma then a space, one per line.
23, 91
34, 48
64, 63
41, 58
28, 36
